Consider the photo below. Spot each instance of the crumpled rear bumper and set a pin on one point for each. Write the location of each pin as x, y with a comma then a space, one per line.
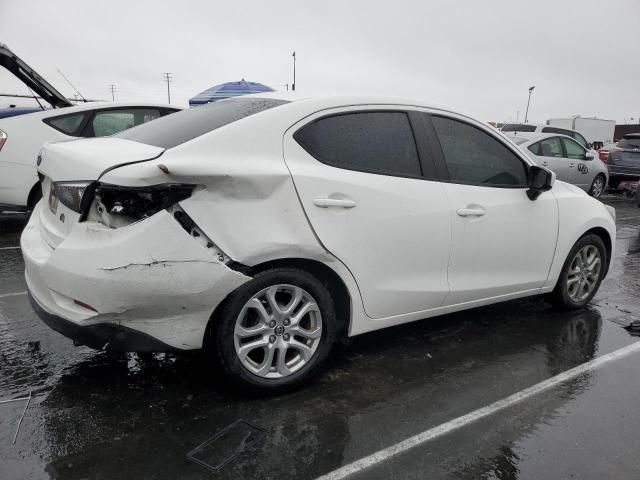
152, 286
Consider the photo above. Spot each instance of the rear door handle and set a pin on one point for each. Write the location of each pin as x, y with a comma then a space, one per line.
470, 212
334, 202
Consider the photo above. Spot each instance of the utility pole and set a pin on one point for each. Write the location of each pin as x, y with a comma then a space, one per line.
168, 79
112, 87
293, 85
526, 115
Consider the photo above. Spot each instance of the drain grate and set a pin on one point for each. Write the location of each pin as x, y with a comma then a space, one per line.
226, 445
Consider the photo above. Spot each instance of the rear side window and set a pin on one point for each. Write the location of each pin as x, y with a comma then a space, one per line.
551, 147
474, 157
110, 122
373, 142
68, 124
535, 149
518, 127
180, 127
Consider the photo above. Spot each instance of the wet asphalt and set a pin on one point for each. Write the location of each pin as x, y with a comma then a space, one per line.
96, 415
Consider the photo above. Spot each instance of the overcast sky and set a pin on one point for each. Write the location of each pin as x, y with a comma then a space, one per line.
478, 57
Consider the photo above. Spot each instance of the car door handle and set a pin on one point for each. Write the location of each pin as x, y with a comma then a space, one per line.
470, 212
334, 202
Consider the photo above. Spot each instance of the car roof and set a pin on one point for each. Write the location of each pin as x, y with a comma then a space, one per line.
319, 102
533, 137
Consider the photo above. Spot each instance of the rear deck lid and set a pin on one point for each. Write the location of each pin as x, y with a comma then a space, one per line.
73, 164
31, 79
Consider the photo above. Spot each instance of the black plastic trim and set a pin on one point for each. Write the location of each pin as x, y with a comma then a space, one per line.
102, 336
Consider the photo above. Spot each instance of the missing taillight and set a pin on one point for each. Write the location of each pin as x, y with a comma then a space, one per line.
118, 206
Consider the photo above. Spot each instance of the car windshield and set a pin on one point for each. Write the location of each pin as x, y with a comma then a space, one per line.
180, 127
518, 127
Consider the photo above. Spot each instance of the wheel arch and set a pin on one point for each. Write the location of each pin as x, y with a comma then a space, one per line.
329, 277
608, 243
33, 197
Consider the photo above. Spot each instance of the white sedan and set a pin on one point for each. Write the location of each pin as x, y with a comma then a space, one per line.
264, 228
22, 136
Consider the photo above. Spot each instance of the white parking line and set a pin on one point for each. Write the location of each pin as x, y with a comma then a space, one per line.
435, 432
14, 294
9, 248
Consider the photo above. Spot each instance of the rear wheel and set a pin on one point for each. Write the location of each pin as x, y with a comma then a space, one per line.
581, 274
597, 186
275, 332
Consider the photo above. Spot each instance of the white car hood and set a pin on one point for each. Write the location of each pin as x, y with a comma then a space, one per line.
89, 159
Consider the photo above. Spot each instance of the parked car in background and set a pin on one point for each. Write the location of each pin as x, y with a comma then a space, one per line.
13, 111
570, 161
531, 130
597, 131
624, 160
264, 228
21, 137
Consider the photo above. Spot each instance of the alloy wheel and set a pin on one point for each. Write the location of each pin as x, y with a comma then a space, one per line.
278, 331
584, 273
597, 187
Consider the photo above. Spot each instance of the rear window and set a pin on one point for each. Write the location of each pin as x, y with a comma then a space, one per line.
180, 127
518, 140
629, 143
518, 127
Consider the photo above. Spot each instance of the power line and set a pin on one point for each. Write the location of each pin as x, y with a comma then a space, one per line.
168, 79
113, 92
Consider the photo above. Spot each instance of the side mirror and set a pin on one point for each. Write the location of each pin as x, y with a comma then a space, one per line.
589, 156
540, 180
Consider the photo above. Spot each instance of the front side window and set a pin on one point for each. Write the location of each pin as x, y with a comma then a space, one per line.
69, 124
580, 139
110, 122
551, 147
373, 142
573, 149
474, 157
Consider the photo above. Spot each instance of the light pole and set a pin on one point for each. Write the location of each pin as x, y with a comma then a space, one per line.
526, 115
168, 79
293, 85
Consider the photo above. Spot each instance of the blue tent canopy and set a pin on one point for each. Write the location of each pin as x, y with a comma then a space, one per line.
227, 90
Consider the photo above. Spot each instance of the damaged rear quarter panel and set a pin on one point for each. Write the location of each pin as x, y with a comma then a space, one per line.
150, 276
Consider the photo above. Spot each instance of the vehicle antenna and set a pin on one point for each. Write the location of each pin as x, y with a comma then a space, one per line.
77, 91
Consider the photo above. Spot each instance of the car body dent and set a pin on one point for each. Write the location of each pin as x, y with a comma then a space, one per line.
149, 276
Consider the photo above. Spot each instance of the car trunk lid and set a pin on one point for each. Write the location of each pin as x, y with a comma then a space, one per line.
80, 162
31, 79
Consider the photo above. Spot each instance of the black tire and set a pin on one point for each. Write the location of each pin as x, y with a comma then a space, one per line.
593, 190
560, 297
223, 341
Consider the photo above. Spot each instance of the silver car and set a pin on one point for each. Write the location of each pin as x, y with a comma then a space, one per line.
570, 161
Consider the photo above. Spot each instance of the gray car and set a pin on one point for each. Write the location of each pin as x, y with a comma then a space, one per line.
570, 161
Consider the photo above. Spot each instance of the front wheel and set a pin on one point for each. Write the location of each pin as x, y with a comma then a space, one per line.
597, 187
581, 274
275, 331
